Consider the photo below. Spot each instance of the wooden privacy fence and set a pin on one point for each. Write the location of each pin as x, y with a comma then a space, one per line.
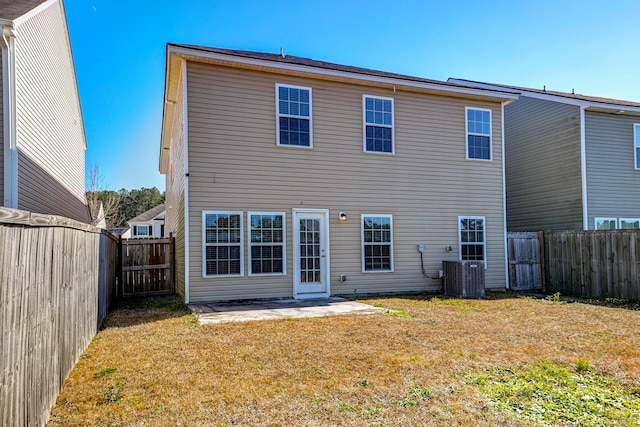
526, 261
57, 279
147, 266
594, 263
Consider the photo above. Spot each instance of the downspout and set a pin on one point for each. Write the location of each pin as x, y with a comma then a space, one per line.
583, 168
10, 141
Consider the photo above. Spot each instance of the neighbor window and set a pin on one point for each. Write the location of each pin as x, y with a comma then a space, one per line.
636, 138
472, 238
478, 133
294, 115
378, 124
222, 240
266, 243
606, 223
377, 243
142, 230
629, 223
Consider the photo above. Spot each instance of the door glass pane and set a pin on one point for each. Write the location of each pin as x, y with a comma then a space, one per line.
309, 261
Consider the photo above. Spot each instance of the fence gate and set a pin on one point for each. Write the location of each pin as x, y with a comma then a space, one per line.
147, 266
525, 261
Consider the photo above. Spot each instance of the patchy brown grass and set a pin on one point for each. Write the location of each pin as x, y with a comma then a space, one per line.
153, 366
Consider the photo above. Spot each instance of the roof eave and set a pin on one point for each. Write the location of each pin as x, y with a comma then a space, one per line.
497, 94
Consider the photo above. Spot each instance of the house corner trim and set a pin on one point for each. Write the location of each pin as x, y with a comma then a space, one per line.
10, 140
583, 169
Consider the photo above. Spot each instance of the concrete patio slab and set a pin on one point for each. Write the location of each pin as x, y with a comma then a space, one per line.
243, 311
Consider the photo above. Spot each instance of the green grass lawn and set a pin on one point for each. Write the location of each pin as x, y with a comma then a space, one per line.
423, 361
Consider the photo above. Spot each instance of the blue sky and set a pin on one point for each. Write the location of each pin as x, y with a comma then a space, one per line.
119, 51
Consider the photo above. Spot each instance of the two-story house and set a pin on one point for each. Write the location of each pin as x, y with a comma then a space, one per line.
42, 139
572, 161
292, 177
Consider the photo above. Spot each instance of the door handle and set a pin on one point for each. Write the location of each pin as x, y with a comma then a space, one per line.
322, 254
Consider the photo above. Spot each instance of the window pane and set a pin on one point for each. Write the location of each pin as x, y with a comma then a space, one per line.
378, 111
478, 147
378, 139
629, 224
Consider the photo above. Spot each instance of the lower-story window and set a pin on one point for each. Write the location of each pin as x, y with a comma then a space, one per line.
222, 243
629, 223
617, 223
377, 243
472, 238
266, 243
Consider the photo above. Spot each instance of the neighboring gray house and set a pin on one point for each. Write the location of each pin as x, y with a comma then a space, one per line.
42, 140
572, 161
291, 177
149, 224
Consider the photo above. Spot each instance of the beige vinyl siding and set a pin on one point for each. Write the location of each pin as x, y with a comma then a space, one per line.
544, 182
613, 183
175, 190
50, 135
235, 165
2, 141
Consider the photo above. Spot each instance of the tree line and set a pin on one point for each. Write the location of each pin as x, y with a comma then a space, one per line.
122, 205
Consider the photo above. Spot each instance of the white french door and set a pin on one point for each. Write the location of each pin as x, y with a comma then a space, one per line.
311, 253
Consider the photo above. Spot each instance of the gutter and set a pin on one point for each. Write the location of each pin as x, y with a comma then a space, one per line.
10, 140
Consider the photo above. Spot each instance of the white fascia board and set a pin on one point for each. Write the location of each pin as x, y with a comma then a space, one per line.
497, 93
621, 109
556, 98
34, 11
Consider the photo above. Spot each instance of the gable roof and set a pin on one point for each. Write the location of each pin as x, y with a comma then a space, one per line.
562, 96
12, 9
302, 67
149, 215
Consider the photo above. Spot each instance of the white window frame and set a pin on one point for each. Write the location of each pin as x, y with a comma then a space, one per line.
365, 124
205, 244
636, 145
603, 219
620, 220
484, 243
283, 243
467, 133
362, 242
278, 115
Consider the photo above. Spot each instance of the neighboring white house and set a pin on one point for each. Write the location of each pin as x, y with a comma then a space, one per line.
42, 139
147, 224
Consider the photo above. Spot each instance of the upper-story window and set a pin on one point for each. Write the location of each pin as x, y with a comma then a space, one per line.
294, 116
636, 139
478, 133
378, 124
